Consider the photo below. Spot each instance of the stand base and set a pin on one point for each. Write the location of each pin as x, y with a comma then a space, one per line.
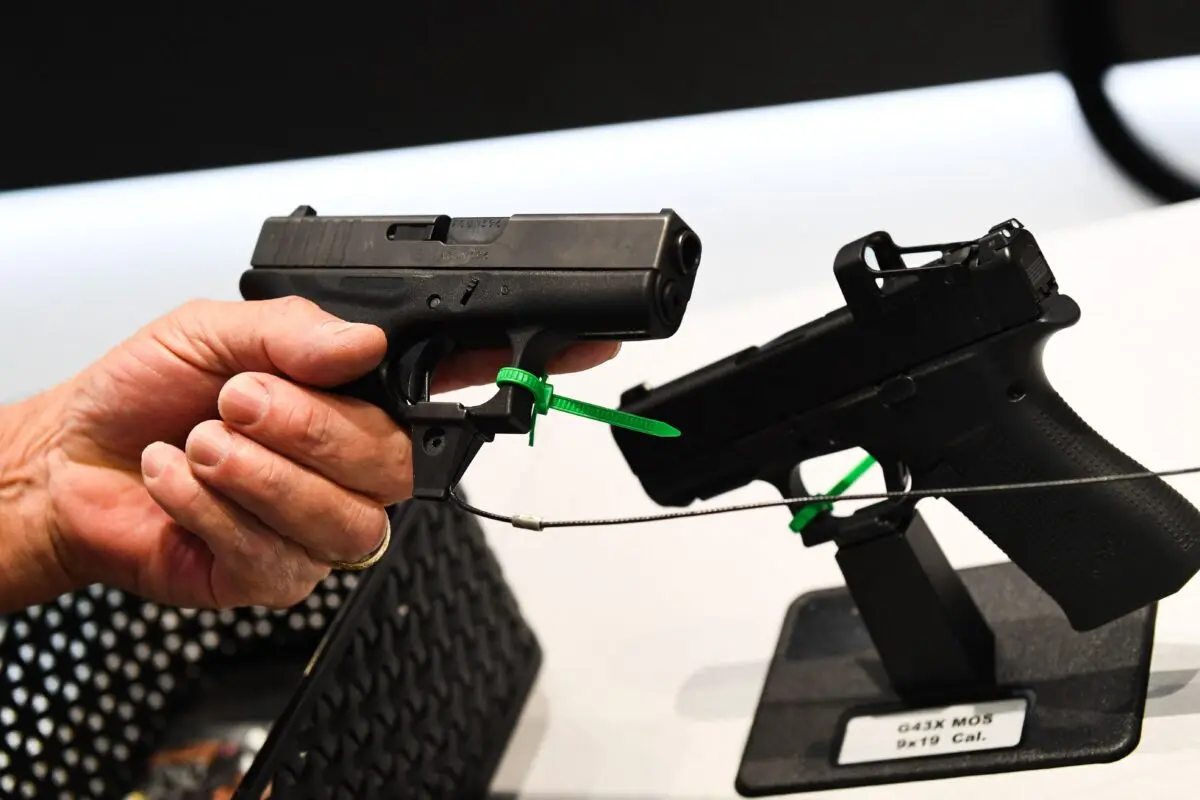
1086, 691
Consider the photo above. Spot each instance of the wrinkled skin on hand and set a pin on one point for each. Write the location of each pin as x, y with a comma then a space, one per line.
199, 463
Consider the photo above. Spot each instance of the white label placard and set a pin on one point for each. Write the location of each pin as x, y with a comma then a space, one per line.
916, 733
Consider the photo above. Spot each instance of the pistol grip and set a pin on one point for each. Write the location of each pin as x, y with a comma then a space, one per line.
1099, 550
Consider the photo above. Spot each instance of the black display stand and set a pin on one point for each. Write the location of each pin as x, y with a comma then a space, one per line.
907, 633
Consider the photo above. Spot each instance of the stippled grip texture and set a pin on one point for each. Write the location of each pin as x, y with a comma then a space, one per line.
1100, 550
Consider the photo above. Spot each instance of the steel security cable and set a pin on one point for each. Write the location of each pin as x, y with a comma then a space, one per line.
534, 523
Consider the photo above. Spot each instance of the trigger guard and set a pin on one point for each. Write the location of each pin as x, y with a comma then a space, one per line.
827, 526
896, 478
407, 379
510, 410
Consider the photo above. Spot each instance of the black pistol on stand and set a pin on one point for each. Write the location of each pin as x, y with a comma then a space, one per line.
936, 371
529, 284
916, 670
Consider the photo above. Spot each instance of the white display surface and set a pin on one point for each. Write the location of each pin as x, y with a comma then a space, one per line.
773, 193
657, 636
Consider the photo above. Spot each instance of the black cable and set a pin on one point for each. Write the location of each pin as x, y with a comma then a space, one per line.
1085, 32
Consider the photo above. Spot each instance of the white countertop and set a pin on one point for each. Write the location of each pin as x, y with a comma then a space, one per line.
773, 193
657, 636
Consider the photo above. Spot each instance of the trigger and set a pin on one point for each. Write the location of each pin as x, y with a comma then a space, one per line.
409, 378
896, 477
804, 514
789, 483
532, 349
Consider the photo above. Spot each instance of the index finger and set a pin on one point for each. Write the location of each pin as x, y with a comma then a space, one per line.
288, 336
479, 367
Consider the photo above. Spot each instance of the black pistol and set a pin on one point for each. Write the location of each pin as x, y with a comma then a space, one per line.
529, 284
936, 371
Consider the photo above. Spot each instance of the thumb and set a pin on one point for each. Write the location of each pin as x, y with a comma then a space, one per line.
289, 336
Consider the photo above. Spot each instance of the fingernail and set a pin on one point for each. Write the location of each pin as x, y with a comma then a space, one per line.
244, 401
153, 460
208, 446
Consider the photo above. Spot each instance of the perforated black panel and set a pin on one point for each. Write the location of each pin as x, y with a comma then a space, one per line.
88, 683
415, 693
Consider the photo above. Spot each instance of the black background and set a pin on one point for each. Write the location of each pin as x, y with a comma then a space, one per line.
94, 95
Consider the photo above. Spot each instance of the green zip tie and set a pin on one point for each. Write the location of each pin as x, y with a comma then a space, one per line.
545, 400
809, 512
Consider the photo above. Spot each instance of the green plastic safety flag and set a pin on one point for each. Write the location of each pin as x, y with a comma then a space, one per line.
545, 400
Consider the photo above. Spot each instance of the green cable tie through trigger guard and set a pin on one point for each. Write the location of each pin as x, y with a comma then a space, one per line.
545, 400
809, 512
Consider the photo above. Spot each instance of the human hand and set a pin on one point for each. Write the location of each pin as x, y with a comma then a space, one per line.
197, 466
